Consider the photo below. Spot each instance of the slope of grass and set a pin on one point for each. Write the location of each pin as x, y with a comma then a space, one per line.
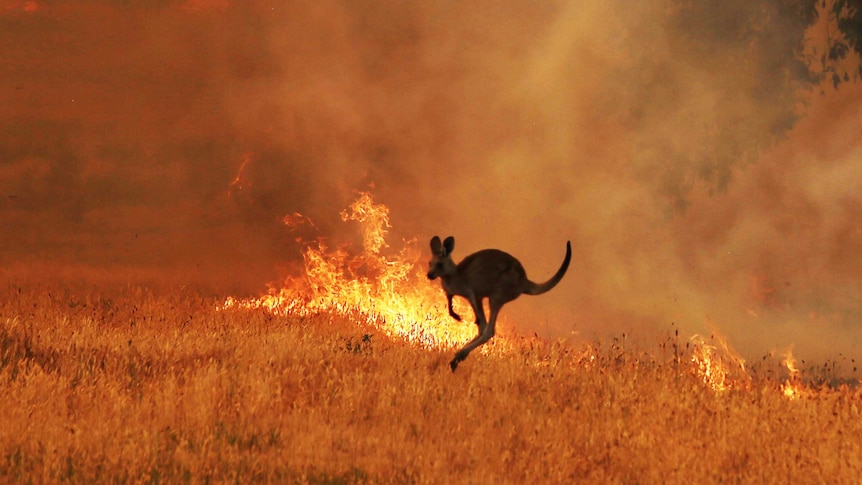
117, 383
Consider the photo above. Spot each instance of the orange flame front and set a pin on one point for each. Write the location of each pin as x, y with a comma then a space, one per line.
385, 290
388, 289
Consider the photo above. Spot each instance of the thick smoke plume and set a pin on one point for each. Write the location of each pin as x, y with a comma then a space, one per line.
680, 145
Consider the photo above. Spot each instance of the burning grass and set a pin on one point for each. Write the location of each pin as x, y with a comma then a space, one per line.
123, 384
340, 375
383, 288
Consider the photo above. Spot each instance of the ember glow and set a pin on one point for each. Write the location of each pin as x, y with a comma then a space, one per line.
240, 181
379, 287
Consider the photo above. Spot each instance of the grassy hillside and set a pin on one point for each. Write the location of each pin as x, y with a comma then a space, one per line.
117, 383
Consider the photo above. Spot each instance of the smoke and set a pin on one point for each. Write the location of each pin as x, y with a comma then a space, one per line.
674, 143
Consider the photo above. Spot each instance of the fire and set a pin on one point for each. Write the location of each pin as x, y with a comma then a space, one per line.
297, 220
715, 366
792, 387
240, 181
389, 290
374, 217
375, 286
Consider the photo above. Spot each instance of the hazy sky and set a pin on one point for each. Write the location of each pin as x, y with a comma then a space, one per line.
701, 179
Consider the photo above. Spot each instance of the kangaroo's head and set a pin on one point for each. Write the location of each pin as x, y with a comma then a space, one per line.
441, 264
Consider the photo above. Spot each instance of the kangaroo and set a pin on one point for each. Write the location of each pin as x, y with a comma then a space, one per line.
489, 273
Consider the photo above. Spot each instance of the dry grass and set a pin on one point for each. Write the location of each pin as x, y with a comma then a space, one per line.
119, 384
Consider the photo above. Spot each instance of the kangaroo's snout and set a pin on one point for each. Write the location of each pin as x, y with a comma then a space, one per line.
432, 275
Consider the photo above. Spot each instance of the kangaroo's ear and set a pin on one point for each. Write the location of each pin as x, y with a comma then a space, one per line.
435, 245
449, 245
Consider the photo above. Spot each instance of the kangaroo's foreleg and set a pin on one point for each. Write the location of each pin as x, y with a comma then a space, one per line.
451, 310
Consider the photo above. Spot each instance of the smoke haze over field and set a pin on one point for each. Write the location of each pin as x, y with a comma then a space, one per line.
675, 143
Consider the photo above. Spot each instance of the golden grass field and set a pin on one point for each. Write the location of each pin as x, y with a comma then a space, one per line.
128, 383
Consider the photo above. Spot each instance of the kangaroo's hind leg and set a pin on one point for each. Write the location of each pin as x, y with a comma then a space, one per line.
481, 322
486, 332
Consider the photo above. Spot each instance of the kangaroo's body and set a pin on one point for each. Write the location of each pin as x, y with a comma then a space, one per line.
489, 273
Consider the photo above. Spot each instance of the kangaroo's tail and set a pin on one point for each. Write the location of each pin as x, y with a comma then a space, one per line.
538, 289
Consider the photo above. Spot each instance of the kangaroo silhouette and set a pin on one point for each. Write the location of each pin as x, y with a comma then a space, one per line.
489, 273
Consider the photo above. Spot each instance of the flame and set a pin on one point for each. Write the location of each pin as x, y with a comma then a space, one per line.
240, 180
375, 218
389, 290
716, 366
297, 221
792, 387
377, 287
